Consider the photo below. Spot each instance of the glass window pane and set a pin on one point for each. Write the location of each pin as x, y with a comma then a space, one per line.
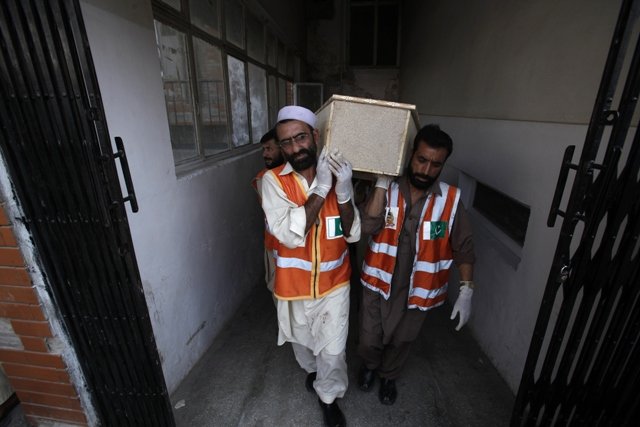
297, 69
214, 132
173, 3
308, 95
259, 106
387, 35
282, 58
361, 35
238, 90
282, 93
205, 14
177, 91
272, 49
289, 88
234, 19
255, 38
273, 100
290, 63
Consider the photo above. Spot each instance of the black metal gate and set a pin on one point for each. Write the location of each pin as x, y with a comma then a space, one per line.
55, 143
583, 366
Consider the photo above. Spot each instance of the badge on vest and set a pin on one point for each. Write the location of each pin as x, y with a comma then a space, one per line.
334, 227
434, 230
391, 217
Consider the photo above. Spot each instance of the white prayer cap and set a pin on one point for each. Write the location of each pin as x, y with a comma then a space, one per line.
295, 112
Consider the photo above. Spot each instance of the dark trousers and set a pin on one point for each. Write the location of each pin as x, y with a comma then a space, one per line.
387, 329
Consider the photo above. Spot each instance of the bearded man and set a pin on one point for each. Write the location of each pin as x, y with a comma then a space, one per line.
418, 229
313, 220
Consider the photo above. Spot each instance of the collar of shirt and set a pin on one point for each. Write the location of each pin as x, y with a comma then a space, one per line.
287, 169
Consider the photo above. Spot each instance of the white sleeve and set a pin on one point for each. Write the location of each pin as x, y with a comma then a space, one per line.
286, 220
354, 233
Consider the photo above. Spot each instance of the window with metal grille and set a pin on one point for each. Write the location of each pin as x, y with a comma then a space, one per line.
218, 61
374, 28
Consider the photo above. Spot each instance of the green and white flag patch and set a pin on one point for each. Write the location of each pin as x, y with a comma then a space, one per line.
434, 230
334, 227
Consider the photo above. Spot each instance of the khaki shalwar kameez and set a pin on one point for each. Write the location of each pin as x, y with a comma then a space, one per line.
387, 327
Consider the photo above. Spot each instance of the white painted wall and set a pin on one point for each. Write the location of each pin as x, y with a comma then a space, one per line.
197, 238
514, 84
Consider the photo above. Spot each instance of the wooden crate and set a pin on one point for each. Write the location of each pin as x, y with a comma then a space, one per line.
375, 136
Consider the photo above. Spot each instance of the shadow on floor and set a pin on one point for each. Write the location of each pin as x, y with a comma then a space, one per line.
245, 379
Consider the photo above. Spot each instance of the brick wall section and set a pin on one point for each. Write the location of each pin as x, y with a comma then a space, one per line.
38, 376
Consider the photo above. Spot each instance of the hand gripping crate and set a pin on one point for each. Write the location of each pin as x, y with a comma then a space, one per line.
375, 136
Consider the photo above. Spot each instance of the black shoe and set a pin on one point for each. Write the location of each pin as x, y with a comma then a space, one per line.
311, 377
366, 378
388, 392
333, 416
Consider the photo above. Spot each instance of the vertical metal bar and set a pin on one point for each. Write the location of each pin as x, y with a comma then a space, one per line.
19, 110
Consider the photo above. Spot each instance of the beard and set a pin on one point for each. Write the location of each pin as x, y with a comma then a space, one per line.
303, 159
273, 163
421, 181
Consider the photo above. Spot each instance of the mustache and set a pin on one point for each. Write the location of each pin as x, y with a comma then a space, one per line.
301, 153
422, 176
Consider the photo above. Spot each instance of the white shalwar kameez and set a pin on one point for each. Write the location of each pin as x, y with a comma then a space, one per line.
317, 328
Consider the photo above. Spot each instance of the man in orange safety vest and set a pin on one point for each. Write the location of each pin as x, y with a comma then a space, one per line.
314, 220
418, 229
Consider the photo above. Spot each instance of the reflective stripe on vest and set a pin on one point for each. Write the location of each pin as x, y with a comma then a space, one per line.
286, 262
379, 262
322, 264
433, 259
383, 248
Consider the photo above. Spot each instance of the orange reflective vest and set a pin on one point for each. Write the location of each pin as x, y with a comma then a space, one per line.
270, 241
430, 274
322, 264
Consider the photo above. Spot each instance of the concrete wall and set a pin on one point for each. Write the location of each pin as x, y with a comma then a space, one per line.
513, 83
287, 18
534, 61
197, 237
326, 55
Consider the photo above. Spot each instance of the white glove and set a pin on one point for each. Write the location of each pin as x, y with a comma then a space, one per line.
383, 181
342, 170
462, 306
323, 176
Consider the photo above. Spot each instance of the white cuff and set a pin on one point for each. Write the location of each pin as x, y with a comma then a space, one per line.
321, 190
